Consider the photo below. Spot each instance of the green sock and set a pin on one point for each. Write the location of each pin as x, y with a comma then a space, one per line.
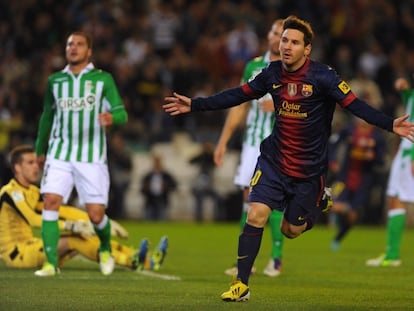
50, 236
104, 236
275, 220
395, 228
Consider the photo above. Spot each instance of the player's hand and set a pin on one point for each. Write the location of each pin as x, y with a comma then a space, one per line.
401, 84
219, 153
177, 104
105, 119
118, 231
404, 128
82, 227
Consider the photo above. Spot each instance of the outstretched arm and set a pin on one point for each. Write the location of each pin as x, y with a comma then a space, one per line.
399, 126
179, 104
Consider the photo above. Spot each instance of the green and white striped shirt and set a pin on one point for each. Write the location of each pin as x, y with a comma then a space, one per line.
70, 115
259, 124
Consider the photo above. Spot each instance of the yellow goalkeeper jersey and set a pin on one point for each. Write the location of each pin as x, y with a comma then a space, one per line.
21, 209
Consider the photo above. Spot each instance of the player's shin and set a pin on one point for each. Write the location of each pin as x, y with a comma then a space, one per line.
50, 236
249, 244
103, 231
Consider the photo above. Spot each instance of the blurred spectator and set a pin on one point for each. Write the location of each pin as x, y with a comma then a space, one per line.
343, 61
157, 186
242, 46
372, 58
120, 167
203, 186
136, 48
164, 26
136, 32
10, 120
6, 173
366, 88
149, 86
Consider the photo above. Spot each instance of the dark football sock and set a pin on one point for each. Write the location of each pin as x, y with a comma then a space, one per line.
249, 245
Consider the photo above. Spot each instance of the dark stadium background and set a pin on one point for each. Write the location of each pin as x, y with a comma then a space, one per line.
154, 47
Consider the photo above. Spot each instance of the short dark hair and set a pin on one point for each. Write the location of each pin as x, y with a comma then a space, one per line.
87, 36
294, 22
16, 155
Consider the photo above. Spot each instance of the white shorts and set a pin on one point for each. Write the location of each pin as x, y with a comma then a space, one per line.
248, 160
401, 180
91, 180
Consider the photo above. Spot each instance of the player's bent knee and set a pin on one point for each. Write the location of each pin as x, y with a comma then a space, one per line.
292, 231
52, 201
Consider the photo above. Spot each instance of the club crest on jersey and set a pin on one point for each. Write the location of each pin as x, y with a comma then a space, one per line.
307, 90
88, 87
17, 196
344, 87
292, 89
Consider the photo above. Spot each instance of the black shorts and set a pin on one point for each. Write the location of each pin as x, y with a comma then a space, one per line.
297, 198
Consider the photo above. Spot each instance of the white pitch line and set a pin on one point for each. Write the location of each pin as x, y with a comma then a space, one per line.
160, 276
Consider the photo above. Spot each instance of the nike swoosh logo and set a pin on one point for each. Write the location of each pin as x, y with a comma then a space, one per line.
241, 257
276, 86
301, 218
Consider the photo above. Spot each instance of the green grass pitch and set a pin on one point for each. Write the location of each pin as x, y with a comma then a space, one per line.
192, 278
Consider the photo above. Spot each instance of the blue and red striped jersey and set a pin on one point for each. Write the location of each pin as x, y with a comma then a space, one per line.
304, 101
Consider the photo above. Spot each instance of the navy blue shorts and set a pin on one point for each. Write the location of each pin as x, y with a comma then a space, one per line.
297, 198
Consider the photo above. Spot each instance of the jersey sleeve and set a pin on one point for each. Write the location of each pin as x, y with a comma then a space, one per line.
337, 89
340, 92
247, 73
222, 100
260, 85
46, 121
17, 201
119, 114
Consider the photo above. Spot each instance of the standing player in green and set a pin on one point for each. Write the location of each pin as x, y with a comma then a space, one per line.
259, 116
400, 188
80, 102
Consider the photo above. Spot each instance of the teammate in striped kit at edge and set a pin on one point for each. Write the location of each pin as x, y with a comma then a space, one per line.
292, 167
259, 124
80, 102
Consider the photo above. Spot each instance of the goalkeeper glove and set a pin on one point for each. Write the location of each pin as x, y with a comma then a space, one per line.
117, 230
82, 227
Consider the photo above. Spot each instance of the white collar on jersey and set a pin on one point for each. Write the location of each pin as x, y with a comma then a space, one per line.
88, 67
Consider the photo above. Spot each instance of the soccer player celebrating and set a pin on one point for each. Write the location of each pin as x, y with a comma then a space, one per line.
80, 102
20, 210
259, 123
292, 166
